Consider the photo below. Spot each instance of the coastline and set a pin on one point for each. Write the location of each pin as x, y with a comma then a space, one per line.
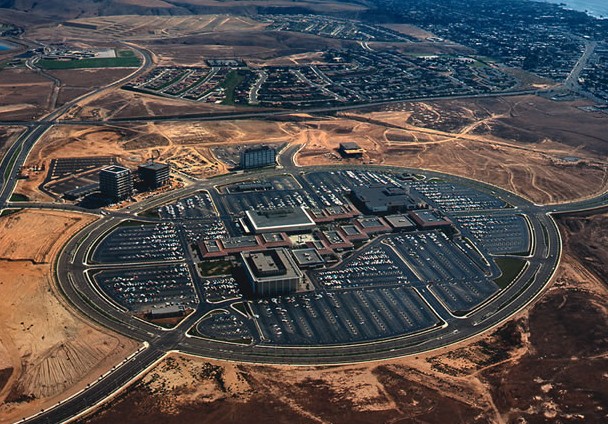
596, 9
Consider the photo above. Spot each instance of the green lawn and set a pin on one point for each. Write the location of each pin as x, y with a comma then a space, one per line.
124, 59
510, 268
233, 79
16, 197
218, 267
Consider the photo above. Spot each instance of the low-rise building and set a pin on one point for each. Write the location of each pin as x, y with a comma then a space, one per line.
271, 272
287, 220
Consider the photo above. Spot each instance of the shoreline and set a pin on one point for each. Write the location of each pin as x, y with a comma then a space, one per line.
587, 9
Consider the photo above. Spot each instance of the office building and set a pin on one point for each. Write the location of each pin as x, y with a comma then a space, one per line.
258, 157
153, 174
351, 150
116, 182
271, 272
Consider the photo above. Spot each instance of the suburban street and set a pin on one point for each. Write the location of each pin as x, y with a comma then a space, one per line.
79, 289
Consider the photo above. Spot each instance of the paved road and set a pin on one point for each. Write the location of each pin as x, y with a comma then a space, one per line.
262, 113
18, 152
83, 294
76, 285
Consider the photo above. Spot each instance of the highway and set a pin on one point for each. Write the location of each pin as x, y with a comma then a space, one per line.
77, 287
17, 154
81, 292
262, 114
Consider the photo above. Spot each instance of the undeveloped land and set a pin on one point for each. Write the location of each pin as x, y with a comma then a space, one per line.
23, 94
46, 351
8, 135
75, 83
543, 161
551, 152
126, 104
547, 363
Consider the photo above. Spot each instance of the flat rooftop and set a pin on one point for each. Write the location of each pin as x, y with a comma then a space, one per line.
269, 265
284, 219
370, 222
350, 230
115, 169
307, 257
429, 216
239, 242
154, 166
272, 237
211, 246
381, 197
400, 221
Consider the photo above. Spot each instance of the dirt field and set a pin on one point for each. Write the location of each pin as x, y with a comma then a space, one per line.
567, 161
46, 352
546, 363
8, 135
75, 83
148, 27
185, 145
126, 104
49, 229
23, 94
545, 151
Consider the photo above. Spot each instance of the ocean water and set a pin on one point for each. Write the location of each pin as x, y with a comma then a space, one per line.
593, 7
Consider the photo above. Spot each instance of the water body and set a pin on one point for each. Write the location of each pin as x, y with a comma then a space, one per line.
597, 8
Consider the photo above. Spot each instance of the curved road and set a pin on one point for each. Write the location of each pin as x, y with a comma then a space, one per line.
82, 293
74, 282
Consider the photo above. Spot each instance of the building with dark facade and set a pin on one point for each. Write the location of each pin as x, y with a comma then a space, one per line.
351, 149
271, 272
381, 199
258, 157
116, 182
154, 174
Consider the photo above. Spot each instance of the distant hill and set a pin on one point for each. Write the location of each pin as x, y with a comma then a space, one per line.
71, 9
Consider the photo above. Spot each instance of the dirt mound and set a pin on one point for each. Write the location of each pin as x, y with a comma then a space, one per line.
46, 352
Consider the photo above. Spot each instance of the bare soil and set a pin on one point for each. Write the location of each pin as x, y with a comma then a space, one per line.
47, 231
46, 352
548, 364
23, 94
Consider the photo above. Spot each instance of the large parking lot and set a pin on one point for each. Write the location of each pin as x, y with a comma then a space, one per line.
236, 204
204, 230
500, 234
278, 182
140, 242
198, 206
343, 317
142, 289
457, 280
375, 266
219, 289
334, 187
397, 283
452, 197
220, 325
